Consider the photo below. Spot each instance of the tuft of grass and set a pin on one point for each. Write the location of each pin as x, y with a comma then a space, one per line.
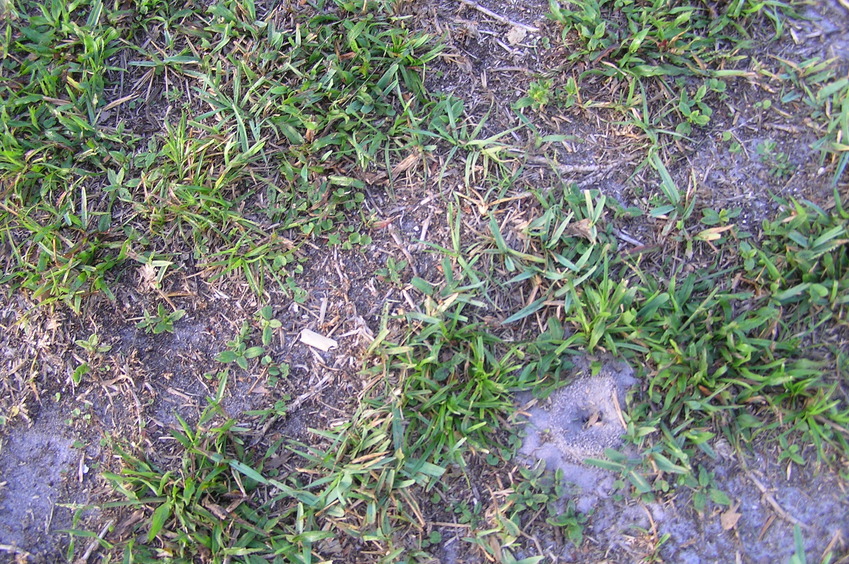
278, 120
662, 39
56, 59
454, 386
720, 356
215, 504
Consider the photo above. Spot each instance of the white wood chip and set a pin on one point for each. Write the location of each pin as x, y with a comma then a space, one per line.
320, 342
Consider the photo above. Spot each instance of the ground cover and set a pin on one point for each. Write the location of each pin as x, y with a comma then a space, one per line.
424, 281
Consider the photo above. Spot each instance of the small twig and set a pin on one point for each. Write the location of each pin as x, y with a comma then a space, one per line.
618, 409
771, 500
564, 168
289, 409
836, 538
511, 69
393, 232
94, 544
498, 17
627, 238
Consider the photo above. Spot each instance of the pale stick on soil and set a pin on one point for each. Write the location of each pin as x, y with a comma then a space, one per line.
292, 407
318, 341
498, 17
770, 499
23, 554
94, 543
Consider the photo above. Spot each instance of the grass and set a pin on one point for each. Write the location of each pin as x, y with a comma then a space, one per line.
255, 146
668, 53
213, 505
254, 134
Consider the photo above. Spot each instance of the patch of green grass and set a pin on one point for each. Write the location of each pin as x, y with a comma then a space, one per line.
215, 503
566, 243
741, 360
220, 502
661, 39
56, 58
448, 123
274, 119
454, 386
292, 113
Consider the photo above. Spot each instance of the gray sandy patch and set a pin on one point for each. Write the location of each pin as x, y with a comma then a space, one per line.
581, 420
33, 466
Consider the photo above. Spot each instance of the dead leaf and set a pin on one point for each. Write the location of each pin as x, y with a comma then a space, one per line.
320, 342
713, 233
583, 228
516, 35
729, 518
216, 510
147, 278
234, 504
383, 223
406, 164
122, 530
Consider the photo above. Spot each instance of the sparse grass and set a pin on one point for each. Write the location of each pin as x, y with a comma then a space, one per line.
682, 57
265, 144
738, 357
264, 137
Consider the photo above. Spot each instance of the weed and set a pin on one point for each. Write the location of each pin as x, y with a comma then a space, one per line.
538, 492
92, 345
267, 324
734, 146
94, 350
392, 271
238, 350
540, 94
722, 217
778, 162
161, 322
693, 107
